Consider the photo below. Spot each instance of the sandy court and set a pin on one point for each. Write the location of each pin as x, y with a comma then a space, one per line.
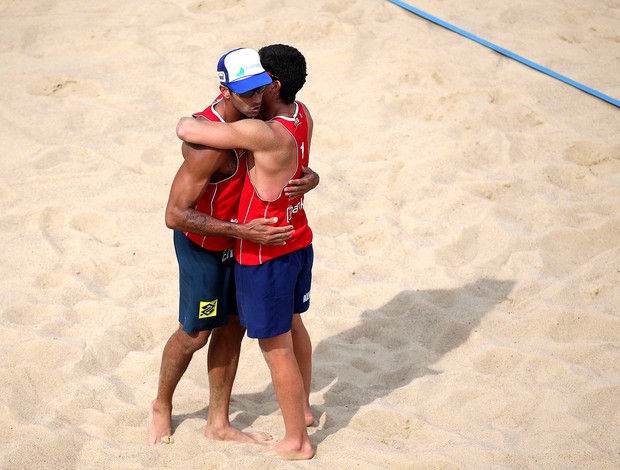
467, 258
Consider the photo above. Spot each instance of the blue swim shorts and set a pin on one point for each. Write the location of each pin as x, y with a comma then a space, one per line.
270, 293
206, 285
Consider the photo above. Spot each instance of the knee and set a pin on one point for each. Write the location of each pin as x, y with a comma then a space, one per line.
192, 342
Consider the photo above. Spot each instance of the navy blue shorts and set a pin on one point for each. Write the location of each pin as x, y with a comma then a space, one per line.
269, 294
206, 285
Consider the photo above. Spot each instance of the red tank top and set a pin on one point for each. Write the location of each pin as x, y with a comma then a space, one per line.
220, 199
288, 211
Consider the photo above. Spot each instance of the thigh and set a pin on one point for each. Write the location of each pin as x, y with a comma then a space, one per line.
203, 301
266, 295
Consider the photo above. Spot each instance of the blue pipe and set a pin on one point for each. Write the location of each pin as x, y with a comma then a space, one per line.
507, 53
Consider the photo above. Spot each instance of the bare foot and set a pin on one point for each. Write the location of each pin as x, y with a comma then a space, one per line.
287, 451
159, 425
232, 434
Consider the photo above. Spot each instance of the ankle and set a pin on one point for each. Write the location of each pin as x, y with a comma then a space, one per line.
161, 406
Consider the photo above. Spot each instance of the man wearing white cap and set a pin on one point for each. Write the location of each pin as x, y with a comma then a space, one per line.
273, 281
202, 210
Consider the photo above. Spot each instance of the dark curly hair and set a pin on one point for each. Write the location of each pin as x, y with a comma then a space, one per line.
286, 64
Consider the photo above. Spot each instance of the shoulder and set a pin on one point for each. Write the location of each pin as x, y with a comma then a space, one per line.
256, 130
305, 109
308, 116
204, 158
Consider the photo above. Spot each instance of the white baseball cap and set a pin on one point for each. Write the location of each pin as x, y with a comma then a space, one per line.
240, 70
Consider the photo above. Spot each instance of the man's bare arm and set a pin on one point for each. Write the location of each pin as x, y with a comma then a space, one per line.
250, 134
187, 188
308, 181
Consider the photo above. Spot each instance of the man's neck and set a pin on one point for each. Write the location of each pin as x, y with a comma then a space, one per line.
228, 111
277, 108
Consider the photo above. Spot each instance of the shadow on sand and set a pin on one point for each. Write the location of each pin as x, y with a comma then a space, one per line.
390, 348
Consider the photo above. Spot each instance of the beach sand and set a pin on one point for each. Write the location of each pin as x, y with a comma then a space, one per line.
467, 259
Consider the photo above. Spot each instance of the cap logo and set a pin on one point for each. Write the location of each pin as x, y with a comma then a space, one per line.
240, 70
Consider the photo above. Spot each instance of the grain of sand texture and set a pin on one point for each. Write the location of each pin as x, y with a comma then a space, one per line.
467, 233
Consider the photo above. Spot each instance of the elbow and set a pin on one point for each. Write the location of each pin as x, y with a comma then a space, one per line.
169, 221
172, 220
183, 131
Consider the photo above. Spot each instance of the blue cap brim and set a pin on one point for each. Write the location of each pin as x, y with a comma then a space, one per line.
247, 84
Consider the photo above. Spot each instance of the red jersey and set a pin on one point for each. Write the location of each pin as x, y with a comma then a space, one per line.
288, 211
220, 199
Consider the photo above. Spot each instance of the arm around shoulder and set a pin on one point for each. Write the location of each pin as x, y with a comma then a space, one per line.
250, 134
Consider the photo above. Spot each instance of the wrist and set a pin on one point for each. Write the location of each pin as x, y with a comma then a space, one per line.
239, 231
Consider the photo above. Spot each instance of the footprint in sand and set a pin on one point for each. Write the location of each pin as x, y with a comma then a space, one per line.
100, 227
68, 159
62, 86
499, 362
589, 154
30, 313
156, 157
111, 345
208, 7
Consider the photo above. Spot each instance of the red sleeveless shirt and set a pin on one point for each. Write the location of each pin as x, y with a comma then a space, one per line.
288, 211
220, 199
